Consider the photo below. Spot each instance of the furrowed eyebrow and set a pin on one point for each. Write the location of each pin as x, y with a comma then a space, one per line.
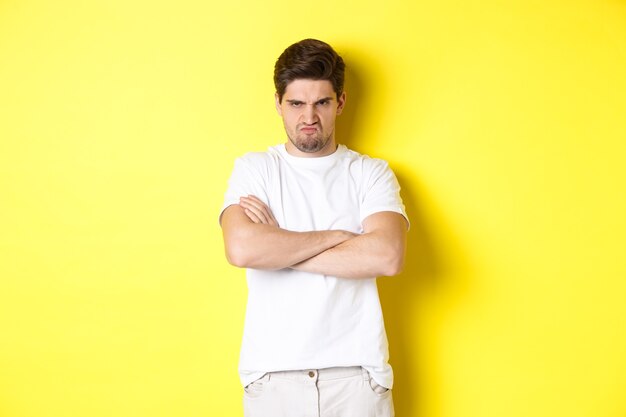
293, 101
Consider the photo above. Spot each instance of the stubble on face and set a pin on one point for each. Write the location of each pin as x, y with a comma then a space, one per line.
307, 142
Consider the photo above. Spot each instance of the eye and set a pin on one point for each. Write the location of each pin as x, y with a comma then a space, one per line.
295, 103
323, 103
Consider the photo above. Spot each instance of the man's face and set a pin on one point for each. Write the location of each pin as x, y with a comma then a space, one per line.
309, 109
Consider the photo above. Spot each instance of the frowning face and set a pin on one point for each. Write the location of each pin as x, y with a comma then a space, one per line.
309, 109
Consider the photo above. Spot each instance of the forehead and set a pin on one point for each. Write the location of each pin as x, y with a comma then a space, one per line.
304, 89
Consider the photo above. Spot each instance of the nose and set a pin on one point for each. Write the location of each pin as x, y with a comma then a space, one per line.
309, 115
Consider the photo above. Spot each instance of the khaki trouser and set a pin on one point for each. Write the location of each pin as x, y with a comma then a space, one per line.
330, 392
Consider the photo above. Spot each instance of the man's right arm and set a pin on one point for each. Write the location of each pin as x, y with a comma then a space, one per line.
266, 246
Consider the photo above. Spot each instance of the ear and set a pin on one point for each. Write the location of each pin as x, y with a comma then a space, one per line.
279, 109
341, 101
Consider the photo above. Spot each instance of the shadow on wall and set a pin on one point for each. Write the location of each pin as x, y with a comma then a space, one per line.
401, 296
345, 122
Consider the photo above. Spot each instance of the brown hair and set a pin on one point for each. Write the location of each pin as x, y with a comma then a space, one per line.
308, 59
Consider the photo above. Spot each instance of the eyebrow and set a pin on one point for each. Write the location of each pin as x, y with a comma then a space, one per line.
318, 101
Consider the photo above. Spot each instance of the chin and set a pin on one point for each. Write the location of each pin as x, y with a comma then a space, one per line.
310, 145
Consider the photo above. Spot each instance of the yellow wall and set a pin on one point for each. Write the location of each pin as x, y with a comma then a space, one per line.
119, 123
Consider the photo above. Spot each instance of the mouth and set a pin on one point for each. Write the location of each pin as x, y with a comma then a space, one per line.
308, 129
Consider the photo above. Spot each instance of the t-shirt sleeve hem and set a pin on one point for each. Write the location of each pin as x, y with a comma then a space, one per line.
375, 210
224, 207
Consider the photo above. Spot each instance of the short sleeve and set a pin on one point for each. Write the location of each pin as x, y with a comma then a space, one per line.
382, 190
245, 180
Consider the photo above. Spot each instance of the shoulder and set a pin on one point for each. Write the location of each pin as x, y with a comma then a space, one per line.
258, 160
365, 159
369, 165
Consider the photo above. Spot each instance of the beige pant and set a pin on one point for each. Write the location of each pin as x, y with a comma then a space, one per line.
330, 392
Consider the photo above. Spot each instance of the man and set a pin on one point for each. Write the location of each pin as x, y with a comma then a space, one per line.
314, 223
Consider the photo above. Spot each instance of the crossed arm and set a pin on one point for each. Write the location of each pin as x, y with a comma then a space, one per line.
253, 239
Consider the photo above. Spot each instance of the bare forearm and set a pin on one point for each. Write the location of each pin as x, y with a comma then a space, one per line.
364, 256
378, 251
273, 248
253, 239
263, 246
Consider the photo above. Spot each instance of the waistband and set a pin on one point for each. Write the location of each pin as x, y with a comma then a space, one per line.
325, 374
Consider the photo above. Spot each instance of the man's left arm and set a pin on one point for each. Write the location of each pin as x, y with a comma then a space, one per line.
378, 251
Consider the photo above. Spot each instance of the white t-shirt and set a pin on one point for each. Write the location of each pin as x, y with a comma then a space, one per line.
299, 320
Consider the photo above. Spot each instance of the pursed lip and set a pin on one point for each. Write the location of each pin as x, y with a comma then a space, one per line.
308, 129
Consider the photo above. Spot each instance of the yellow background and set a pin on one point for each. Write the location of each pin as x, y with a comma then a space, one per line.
504, 121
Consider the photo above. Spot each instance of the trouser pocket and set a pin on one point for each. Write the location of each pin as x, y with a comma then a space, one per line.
256, 388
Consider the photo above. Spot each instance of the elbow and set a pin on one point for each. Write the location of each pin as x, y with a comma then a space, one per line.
236, 253
393, 264
236, 259
393, 269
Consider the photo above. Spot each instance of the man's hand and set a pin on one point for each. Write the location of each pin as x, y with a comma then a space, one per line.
257, 211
